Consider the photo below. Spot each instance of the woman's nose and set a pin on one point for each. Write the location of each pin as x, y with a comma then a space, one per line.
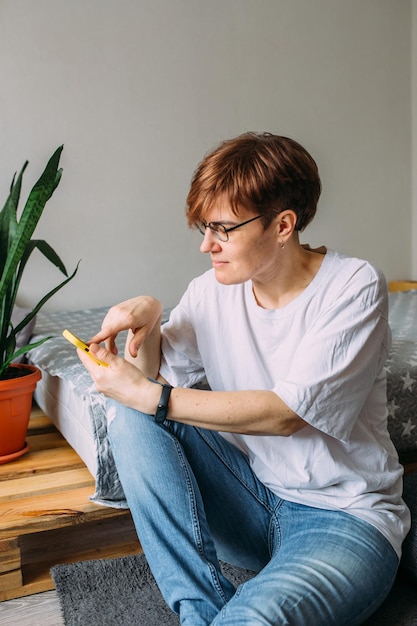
210, 242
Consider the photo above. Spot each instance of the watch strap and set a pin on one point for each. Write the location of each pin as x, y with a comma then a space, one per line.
162, 409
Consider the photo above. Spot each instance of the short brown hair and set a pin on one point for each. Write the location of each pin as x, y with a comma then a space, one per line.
262, 172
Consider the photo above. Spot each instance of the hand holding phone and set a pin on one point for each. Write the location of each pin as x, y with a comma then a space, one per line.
78, 343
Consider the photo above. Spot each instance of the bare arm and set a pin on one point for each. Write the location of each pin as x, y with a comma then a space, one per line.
245, 412
248, 412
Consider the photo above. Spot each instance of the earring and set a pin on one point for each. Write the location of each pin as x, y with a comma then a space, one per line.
282, 245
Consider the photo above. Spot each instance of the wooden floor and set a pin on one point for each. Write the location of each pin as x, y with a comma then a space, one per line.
42, 609
47, 518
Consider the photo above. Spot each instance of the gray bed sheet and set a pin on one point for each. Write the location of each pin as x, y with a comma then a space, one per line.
58, 358
401, 367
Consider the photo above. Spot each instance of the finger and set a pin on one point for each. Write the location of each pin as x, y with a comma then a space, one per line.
137, 340
101, 336
102, 354
110, 344
96, 357
109, 339
89, 363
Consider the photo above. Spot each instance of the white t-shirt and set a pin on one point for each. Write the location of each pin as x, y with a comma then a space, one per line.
323, 354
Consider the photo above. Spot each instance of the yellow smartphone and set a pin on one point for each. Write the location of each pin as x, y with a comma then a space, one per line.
79, 343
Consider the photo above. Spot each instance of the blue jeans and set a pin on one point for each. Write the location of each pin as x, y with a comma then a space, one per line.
195, 500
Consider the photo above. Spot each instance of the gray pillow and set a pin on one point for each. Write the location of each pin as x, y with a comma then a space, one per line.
409, 557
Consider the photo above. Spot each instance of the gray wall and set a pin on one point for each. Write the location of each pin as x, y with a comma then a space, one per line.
139, 90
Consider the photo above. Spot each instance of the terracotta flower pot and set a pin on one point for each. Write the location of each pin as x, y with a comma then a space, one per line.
15, 407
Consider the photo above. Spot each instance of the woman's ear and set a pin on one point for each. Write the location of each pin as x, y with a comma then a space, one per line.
286, 221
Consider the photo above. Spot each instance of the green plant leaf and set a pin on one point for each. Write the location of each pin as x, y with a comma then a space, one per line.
39, 195
16, 247
22, 350
46, 250
10, 344
8, 218
45, 299
50, 254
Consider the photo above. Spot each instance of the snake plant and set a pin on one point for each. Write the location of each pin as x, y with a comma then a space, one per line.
16, 247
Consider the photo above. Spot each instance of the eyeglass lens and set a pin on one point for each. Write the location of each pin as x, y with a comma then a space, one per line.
218, 230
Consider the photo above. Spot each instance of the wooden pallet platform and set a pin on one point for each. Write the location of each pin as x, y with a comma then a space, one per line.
47, 518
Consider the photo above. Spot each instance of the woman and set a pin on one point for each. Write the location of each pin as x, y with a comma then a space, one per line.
285, 466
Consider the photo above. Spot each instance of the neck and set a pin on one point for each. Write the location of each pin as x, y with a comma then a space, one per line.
295, 271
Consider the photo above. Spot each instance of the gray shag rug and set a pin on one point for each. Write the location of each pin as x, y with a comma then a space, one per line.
110, 592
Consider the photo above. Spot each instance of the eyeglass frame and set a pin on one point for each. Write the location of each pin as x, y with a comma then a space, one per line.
202, 226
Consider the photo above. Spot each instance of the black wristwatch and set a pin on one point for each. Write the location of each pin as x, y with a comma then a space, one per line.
162, 409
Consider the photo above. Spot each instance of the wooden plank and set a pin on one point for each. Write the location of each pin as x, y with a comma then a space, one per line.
48, 483
9, 555
40, 423
108, 535
98, 539
36, 415
44, 461
41, 513
46, 441
10, 580
402, 285
10, 565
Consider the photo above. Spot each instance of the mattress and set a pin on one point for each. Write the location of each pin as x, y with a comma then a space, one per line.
67, 395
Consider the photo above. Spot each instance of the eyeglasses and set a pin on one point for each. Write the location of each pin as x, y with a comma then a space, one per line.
219, 230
